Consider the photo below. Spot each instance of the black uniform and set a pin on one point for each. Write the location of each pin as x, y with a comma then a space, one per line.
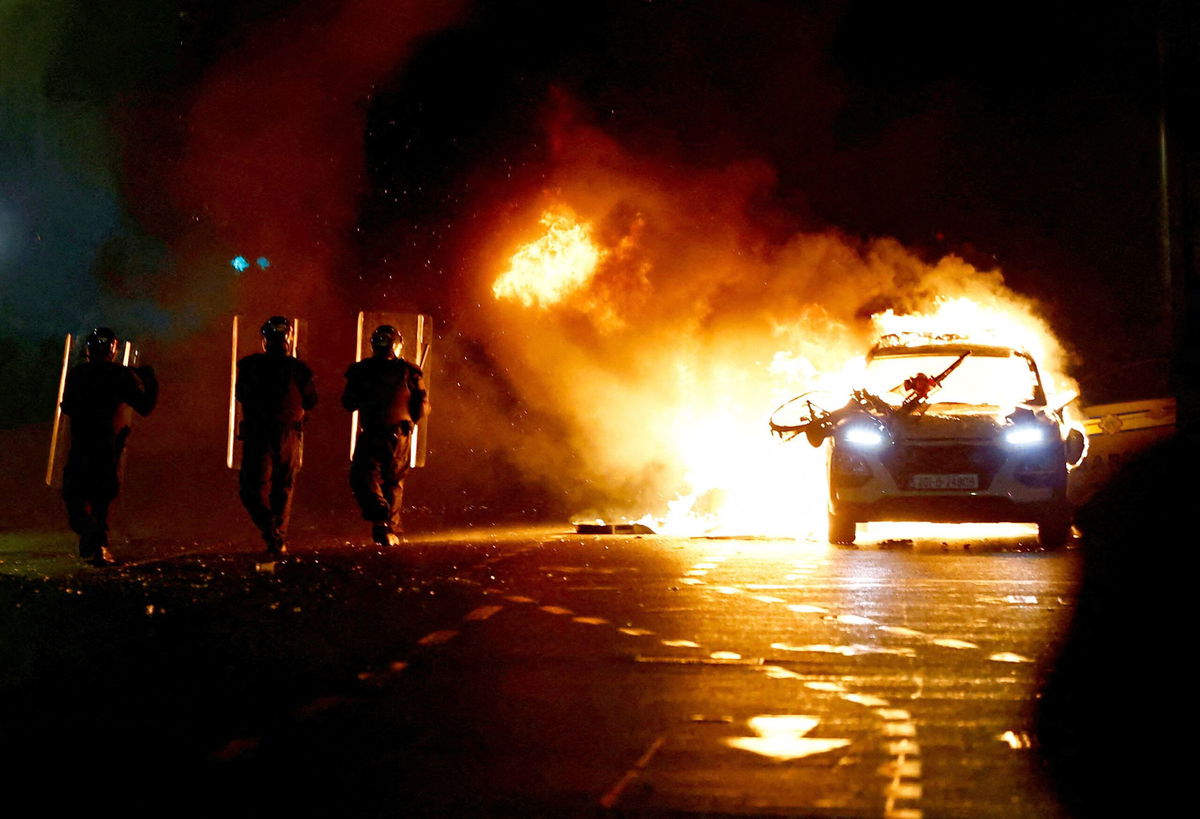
390, 397
275, 390
99, 398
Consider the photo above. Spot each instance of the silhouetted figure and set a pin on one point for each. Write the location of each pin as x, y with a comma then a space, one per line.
275, 390
1109, 718
100, 397
390, 397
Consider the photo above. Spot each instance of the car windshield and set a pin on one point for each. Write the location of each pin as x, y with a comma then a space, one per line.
985, 380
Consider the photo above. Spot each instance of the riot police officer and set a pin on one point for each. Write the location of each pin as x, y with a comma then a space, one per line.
390, 397
275, 390
100, 397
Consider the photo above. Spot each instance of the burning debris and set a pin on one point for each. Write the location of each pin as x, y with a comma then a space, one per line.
820, 424
612, 529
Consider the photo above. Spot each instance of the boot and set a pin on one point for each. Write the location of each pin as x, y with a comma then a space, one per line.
103, 557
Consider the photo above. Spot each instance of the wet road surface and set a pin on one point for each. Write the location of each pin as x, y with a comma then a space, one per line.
536, 671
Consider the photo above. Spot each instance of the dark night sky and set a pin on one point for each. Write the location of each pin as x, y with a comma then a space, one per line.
1019, 135
1022, 132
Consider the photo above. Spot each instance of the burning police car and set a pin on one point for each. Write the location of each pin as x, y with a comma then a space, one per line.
945, 431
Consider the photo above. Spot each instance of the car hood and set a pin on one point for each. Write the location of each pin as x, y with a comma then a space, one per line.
950, 421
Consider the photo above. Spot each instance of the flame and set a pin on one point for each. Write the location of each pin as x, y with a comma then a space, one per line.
977, 322
662, 343
559, 262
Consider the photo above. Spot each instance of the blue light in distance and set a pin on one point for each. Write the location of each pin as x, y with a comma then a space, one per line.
263, 262
239, 263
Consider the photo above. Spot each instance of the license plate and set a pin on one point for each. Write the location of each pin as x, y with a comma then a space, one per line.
963, 481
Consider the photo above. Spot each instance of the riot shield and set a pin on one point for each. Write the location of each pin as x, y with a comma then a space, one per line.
417, 330
128, 354
247, 340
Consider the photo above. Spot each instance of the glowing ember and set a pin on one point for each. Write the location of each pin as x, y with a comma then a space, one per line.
553, 266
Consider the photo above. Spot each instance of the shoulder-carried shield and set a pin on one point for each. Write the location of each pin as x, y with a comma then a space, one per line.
245, 339
417, 330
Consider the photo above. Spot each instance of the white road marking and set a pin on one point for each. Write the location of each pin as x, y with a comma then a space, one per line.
236, 747
610, 797
321, 705
482, 613
950, 642
435, 638
776, 672
1018, 741
902, 631
783, 737
865, 700
1009, 657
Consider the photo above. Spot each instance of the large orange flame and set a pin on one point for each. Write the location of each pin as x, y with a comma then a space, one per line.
561, 261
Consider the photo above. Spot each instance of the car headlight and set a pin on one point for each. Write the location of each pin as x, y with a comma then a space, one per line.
1025, 435
861, 435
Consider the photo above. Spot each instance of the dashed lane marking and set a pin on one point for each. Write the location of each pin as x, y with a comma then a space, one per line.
610, 797
482, 613
950, 642
236, 748
901, 631
902, 790
436, 638
1009, 657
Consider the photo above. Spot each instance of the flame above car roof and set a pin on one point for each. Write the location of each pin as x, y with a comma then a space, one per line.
916, 344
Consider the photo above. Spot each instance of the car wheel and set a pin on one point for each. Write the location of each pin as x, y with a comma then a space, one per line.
1053, 532
841, 529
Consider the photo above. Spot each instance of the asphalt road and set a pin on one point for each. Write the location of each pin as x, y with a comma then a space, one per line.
533, 672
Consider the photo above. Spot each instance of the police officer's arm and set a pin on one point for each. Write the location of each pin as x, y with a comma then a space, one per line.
72, 401
352, 398
419, 403
308, 389
142, 391
241, 387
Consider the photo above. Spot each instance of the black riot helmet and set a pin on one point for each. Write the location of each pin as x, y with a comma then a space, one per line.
100, 345
277, 334
386, 342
